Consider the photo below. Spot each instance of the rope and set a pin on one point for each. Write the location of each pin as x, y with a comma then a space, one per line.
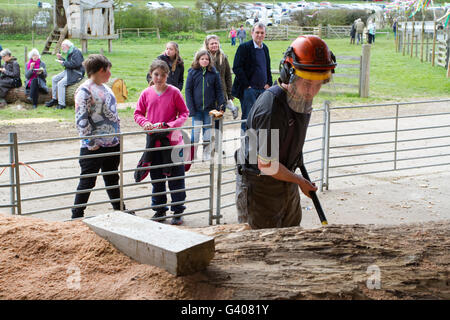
26, 166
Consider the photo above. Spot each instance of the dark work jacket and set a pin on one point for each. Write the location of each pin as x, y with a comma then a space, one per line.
74, 66
204, 91
175, 78
243, 68
41, 78
11, 77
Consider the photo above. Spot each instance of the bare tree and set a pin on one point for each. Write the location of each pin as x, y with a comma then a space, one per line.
218, 6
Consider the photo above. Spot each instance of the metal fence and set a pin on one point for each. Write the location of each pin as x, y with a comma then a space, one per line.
396, 136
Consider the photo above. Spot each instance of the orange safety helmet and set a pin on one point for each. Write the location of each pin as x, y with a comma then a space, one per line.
308, 57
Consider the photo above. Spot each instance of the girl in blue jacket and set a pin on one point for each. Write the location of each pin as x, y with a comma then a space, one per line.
203, 94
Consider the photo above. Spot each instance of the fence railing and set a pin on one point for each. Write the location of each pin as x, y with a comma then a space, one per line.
424, 40
144, 32
406, 135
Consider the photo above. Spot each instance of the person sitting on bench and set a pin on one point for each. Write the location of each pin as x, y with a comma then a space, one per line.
73, 73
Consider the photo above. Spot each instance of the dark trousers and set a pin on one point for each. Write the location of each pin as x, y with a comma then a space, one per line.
34, 91
177, 171
94, 165
249, 98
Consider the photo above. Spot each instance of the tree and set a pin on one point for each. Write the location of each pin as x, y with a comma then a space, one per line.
217, 6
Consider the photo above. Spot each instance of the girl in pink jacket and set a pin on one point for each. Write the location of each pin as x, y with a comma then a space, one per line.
162, 106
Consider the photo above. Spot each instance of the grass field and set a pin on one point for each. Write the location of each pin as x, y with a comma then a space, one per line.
393, 77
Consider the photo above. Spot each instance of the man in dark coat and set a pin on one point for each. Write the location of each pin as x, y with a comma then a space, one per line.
73, 73
9, 75
252, 70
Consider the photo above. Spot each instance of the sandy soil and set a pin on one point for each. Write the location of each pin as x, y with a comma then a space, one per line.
54, 254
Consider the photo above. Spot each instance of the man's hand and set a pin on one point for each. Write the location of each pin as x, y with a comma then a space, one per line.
266, 87
59, 55
306, 186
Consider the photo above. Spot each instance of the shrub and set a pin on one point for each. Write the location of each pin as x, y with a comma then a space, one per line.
174, 20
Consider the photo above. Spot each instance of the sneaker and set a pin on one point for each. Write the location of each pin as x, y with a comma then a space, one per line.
34, 106
51, 103
176, 221
159, 215
60, 106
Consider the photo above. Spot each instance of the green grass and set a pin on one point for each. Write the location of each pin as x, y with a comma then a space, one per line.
393, 77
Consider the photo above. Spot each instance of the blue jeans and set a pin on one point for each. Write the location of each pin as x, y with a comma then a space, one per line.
201, 118
177, 171
233, 41
249, 98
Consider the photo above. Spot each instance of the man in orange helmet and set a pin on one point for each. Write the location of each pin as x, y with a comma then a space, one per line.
267, 193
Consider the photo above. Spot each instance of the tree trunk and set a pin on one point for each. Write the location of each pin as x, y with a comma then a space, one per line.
334, 262
117, 86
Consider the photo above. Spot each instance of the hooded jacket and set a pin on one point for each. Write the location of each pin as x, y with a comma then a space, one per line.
11, 76
203, 90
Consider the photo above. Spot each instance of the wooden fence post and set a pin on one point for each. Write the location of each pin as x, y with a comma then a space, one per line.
412, 36
26, 54
448, 52
421, 40
364, 72
320, 31
157, 35
404, 38
434, 44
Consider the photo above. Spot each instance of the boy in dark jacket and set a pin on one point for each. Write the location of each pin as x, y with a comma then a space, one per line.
203, 94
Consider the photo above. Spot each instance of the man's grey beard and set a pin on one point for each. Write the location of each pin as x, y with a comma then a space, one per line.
299, 104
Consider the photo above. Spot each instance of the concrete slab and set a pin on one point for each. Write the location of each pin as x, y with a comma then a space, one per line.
178, 251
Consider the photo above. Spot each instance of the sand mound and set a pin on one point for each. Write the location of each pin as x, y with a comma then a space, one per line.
66, 260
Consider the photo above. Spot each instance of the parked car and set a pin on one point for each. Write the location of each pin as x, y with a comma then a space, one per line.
46, 5
166, 5
153, 5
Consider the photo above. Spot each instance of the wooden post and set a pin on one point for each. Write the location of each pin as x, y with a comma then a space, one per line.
427, 54
320, 31
421, 40
109, 45
101, 52
364, 72
138, 32
448, 52
25, 55
32, 35
84, 45
448, 68
404, 37
412, 36
158, 35
433, 52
